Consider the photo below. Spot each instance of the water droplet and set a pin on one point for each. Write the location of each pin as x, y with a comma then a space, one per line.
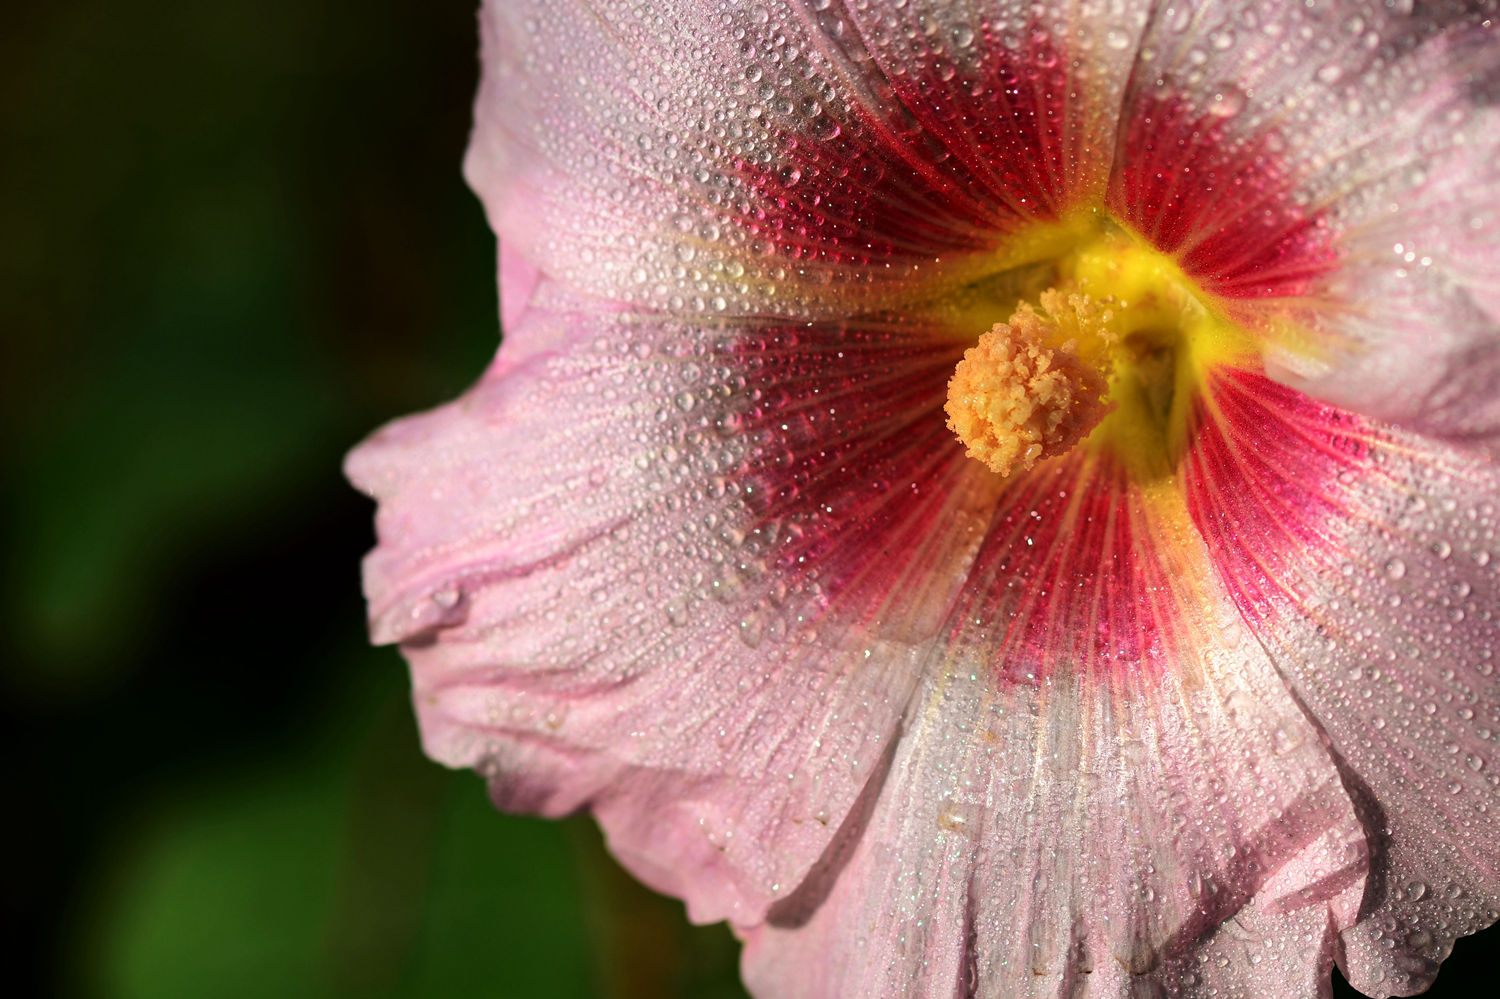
1228, 102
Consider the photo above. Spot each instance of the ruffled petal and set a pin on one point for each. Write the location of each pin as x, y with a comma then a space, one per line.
632, 570
1339, 163
1072, 814
1364, 560
786, 158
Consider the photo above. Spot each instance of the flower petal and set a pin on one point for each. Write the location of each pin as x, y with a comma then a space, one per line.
1284, 939
782, 158
1093, 778
1102, 826
619, 589
1363, 559
1371, 222
1022, 98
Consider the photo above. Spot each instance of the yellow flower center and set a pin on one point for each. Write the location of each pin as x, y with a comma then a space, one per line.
1110, 358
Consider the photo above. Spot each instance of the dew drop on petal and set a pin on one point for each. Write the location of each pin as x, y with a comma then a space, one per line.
1228, 101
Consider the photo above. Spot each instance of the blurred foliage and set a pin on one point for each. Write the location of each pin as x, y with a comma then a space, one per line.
236, 242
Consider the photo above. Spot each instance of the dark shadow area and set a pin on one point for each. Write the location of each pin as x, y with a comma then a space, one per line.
238, 241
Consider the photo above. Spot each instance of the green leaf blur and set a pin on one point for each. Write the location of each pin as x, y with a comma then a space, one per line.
237, 242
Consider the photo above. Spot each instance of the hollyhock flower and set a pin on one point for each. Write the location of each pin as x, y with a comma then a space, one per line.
991, 498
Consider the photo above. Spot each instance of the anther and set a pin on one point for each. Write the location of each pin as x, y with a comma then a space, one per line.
1035, 386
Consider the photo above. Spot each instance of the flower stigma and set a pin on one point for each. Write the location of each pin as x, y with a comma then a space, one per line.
1111, 358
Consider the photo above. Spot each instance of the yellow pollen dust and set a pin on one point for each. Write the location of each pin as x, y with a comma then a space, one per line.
1035, 386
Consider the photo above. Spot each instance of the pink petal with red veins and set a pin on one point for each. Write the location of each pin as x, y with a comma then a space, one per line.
1368, 563
1219, 200
633, 571
657, 156
1017, 100
1378, 148
1049, 825
783, 158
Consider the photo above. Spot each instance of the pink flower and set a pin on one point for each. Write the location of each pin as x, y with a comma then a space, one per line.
1187, 683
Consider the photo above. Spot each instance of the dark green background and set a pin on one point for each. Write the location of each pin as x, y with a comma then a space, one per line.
235, 241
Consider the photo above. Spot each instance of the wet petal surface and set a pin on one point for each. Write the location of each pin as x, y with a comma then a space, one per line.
699, 554
1103, 832
1381, 122
1364, 559
619, 589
